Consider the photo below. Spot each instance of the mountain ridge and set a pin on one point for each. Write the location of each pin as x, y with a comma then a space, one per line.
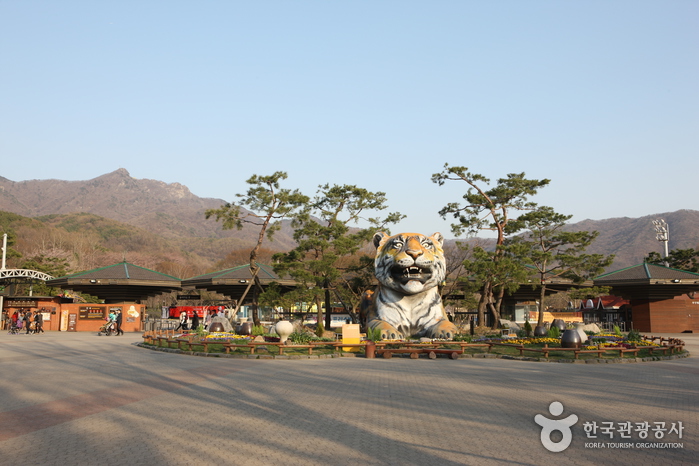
171, 211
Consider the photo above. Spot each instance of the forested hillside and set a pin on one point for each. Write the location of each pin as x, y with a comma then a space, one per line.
162, 226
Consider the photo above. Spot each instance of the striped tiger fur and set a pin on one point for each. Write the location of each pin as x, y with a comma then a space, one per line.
409, 267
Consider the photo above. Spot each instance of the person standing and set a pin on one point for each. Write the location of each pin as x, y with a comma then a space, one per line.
117, 321
38, 322
28, 321
20, 320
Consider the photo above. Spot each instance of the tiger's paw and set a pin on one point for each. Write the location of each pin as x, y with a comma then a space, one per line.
443, 330
388, 331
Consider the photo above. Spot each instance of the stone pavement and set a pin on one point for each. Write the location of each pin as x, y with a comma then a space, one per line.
80, 399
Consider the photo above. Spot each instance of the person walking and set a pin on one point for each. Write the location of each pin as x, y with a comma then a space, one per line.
117, 321
183, 321
195, 321
111, 318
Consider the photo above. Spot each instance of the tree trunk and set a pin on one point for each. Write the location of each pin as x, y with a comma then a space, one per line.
241, 301
542, 295
319, 311
328, 305
483, 303
255, 313
496, 315
497, 308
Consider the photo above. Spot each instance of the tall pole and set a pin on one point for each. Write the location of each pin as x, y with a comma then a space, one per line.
4, 255
662, 231
4, 250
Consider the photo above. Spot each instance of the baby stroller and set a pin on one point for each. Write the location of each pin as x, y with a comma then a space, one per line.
16, 327
107, 328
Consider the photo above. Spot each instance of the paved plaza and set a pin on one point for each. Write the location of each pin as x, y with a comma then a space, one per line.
80, 399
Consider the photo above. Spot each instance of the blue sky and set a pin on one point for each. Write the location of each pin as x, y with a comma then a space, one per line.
600, 96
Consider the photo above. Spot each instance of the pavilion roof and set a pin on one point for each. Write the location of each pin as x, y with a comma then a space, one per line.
119, 282
650, 281
234, 281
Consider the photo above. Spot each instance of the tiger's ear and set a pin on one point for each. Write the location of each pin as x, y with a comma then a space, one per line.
438, 238
379, 237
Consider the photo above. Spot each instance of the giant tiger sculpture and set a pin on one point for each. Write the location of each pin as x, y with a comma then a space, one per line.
409, 266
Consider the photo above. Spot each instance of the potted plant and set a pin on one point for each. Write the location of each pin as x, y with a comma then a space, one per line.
372, 335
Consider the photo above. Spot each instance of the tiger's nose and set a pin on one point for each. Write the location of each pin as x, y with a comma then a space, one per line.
414, 253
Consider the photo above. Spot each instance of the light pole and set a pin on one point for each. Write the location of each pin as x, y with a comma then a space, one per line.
4, 250
662, 234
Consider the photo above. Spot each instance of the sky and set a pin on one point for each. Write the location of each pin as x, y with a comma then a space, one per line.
599, 96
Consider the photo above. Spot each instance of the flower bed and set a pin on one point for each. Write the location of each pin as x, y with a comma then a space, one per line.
601, 346
226, 337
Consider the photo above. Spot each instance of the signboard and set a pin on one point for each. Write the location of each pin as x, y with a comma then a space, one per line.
188, 296
91, 312
351, 336
72, 321
132, 314
20, 303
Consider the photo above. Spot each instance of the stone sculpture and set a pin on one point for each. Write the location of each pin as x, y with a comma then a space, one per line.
409, 267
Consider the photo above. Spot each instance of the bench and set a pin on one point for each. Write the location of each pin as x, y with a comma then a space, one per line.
388, 353
452, 353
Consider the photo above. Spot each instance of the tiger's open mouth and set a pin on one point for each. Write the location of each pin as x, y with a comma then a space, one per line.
406, 274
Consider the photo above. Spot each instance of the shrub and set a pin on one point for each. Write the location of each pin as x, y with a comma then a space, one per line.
528, 328
373, 334
463, 337
300, 338
258, 330
617, 331
633, 336
554, 332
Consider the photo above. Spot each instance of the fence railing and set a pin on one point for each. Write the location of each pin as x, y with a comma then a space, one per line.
609, 326
151, 325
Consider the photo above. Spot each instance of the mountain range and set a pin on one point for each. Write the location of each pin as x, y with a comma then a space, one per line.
165, 223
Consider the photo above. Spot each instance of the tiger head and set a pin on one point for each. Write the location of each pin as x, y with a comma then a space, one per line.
409, 263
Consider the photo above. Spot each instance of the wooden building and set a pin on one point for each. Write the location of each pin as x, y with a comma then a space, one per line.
61, 314
662, 299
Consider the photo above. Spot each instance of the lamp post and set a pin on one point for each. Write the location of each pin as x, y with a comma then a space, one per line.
662, 234
4, 251
4, 257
